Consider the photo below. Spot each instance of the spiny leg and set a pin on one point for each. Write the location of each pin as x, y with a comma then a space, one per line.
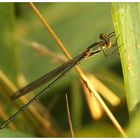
103, 51
113, 45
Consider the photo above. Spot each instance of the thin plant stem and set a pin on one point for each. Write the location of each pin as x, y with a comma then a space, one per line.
69, 117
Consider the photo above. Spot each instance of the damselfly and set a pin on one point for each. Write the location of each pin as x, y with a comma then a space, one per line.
104, 42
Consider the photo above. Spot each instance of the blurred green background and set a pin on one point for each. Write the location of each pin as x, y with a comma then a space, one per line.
77, 25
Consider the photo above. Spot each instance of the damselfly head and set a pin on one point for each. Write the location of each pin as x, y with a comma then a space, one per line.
108, 41
102, 36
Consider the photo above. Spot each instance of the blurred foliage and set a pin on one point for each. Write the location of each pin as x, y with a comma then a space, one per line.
77, 25
8, 47
10, 134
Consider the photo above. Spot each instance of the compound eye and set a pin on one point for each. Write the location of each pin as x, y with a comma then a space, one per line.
102, 36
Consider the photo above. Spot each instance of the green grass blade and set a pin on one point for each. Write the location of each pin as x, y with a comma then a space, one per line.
126, 19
